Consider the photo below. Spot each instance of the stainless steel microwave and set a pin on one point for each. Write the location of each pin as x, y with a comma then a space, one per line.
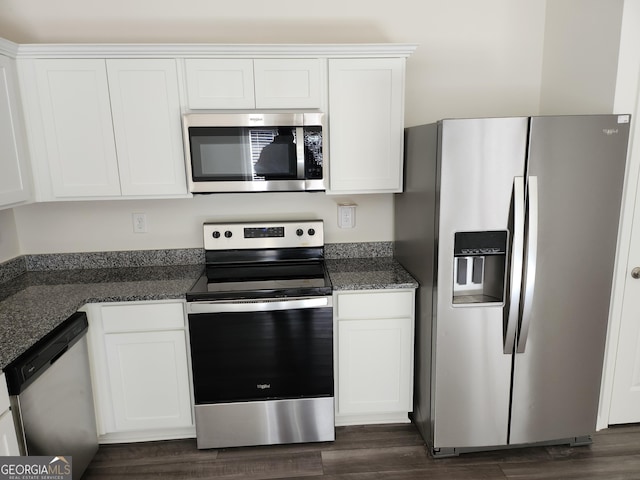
254, 152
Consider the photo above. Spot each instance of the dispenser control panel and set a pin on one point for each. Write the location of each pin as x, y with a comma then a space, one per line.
480, 243
479, 267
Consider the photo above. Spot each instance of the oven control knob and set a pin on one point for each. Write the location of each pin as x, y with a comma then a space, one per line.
299, 232
216, 234
228, 234
311, 232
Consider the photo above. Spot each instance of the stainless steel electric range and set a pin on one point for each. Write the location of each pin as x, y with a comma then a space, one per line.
261, 332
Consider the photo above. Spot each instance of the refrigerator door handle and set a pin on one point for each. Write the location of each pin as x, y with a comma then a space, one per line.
515, 275
531, 255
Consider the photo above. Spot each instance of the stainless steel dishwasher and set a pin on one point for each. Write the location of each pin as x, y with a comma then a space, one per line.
52, 398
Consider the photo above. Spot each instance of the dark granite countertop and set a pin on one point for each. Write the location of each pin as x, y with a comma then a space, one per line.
34, 303
368, 273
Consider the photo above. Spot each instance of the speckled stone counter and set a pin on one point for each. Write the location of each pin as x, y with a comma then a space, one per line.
34, 303
368, 273
38, 292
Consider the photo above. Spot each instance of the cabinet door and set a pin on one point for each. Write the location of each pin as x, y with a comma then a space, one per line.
14, 186
8, 439
287, 83
366, 111
76, 117
148, 374
145, 105
374, 366
220, 83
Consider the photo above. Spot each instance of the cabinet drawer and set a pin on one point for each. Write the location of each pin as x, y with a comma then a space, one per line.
358, 305
4, 395
131, 318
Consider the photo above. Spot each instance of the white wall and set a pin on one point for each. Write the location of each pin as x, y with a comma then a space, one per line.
582, 38
9, 246
627, 100
473, 59
101, 226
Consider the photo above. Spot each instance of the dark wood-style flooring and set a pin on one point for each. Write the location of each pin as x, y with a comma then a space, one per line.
389, 452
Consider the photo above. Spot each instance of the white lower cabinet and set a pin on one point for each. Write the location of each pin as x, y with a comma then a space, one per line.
374, 356
8, 439
141, 371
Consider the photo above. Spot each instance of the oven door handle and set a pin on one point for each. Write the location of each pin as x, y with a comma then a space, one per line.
257, 305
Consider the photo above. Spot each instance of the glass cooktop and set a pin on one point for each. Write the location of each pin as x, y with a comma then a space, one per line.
264, 280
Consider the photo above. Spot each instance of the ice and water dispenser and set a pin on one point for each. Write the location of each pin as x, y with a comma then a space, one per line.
479, 267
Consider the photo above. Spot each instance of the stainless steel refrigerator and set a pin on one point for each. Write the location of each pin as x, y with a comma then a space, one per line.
510, 227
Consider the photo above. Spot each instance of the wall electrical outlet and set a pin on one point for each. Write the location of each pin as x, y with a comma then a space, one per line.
346, 215
139, 222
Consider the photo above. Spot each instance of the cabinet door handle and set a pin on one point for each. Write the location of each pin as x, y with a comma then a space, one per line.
635, 273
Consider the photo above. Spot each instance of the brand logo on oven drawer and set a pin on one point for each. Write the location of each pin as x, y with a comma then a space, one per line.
263, 386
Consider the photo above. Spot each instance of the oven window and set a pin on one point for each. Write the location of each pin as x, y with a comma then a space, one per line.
243, 153
262, 355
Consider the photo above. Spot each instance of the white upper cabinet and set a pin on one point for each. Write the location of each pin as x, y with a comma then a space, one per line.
254, 83
366, 117
145, 106
14, 183
220, 83
105, 128
105, 121
78, 131
287, 83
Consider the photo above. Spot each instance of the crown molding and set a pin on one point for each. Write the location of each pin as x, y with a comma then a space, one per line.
8, 48
203, 50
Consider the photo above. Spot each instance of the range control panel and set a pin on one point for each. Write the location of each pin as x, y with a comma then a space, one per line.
246, 235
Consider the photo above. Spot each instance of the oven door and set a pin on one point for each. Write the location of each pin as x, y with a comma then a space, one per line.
255, 350
262, 371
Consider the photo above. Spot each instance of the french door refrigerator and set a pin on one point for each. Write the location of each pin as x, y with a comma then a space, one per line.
510, 227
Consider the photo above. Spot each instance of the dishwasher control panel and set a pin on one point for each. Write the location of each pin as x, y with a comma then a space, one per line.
31, 364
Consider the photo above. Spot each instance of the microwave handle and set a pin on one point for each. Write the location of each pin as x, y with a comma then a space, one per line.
300, 171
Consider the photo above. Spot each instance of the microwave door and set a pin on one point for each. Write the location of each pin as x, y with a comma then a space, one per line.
220, 155
278, 157
231, 153
232, 165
